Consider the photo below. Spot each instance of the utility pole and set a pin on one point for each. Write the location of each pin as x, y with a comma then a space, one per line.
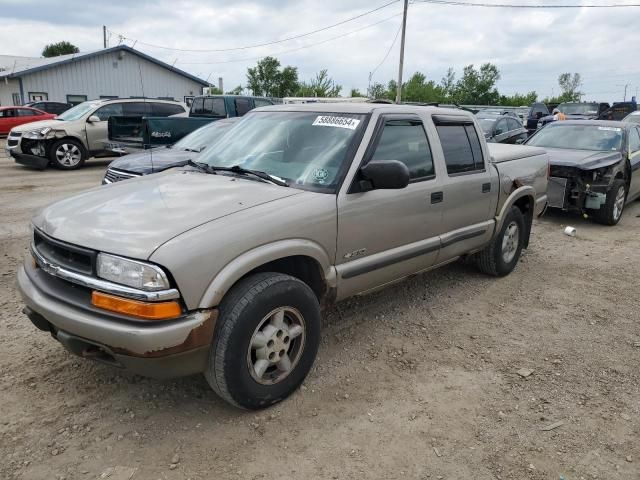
404, 29
104, 36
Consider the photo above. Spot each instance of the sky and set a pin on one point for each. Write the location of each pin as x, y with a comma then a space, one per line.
530, 47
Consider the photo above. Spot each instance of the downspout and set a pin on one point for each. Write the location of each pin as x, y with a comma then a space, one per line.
21, 91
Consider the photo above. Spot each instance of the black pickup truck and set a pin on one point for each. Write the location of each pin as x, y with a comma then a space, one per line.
130, 134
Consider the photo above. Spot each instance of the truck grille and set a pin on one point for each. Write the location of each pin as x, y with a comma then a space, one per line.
115, 175
556, 192
64, 255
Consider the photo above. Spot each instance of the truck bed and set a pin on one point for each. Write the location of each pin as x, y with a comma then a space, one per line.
501, 152
521, 166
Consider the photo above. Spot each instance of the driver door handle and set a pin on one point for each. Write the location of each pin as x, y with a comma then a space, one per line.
437, 197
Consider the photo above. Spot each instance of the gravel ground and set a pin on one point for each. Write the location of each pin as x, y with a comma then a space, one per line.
419, 381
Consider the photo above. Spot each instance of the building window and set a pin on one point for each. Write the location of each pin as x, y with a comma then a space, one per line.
38, 96
17, 99
76, 99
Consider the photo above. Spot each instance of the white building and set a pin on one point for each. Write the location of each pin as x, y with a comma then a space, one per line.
109, 73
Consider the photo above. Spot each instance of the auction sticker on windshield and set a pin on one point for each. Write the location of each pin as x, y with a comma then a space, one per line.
610, 129
340, 122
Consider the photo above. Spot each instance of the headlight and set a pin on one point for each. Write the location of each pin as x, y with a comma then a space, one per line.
134, 274
41, 134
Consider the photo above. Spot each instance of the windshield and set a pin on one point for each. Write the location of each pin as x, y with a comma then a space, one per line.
306, 149
633, 118
202, 137
578, 108
77, 112
578, 137
487, 124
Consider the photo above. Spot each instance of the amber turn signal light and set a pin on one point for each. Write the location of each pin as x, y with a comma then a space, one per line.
135, 308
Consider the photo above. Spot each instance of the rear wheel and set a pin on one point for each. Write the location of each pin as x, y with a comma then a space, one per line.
611, 211
266, 340
67, 154
501, 256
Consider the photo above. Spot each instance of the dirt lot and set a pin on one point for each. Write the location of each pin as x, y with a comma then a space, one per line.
419, 381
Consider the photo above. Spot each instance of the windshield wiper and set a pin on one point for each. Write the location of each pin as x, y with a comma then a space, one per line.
203, 167
256, 173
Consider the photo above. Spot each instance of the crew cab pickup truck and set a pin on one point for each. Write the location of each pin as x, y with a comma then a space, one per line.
225, 265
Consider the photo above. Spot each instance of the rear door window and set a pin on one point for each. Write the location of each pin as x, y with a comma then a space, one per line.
461, 148
406, 141
136, 109
9, 112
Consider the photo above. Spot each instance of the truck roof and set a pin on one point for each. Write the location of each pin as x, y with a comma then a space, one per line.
361, 108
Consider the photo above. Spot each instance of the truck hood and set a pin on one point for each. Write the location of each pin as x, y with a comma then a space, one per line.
135, 217
40, 124
582, 159
152, 160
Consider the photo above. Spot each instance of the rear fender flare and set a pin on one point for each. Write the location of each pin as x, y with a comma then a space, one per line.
517, 194
252, 259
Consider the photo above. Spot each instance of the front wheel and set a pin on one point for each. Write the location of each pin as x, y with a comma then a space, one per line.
266, 340
67, 154
501, 256
611, 211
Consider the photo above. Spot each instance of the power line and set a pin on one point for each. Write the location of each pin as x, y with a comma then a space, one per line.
273, 42
506, 5
386, 54
297, 48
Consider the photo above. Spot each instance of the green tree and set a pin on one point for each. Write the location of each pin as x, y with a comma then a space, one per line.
267, 79
320, 86
356, 93
214, 91
419, 89
569, 85
60, 48
376, 91
236, 91
478, 87
518, 100
448, 85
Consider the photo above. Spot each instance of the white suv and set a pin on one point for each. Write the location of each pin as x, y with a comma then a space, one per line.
80, 132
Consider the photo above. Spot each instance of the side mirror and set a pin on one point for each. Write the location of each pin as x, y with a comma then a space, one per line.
93, 119
384, 175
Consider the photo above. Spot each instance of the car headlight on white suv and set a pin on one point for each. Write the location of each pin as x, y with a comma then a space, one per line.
140, 275
41, 134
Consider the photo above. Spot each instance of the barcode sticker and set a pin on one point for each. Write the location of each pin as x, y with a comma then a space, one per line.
340, 122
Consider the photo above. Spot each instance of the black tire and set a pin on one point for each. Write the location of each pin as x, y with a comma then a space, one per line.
67, 154
230, 370
492, 259
610, 213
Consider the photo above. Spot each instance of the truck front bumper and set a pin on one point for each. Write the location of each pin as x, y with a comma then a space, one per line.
159, 349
